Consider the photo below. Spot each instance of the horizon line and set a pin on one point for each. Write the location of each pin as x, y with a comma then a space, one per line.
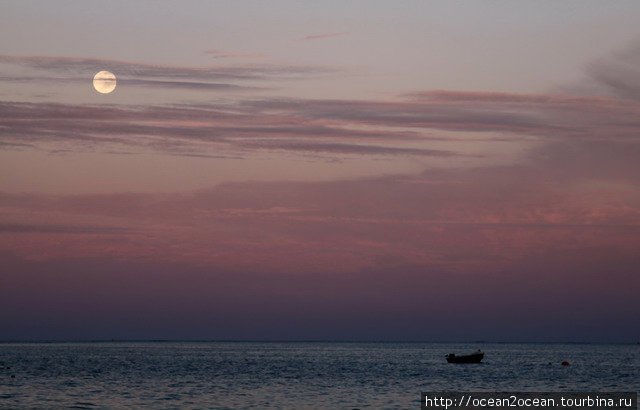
295, 341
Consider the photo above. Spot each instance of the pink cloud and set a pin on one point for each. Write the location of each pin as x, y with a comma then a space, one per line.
459, 221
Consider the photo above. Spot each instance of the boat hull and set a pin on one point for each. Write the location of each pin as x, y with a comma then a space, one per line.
470, 358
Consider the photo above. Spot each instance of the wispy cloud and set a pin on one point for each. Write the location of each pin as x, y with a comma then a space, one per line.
546, 116
173, 75
175, 129
138, 82
328, 126
327, 35
224, 54
62, 229
315, 125
342, 148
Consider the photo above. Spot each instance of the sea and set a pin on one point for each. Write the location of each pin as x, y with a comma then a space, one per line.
295, 374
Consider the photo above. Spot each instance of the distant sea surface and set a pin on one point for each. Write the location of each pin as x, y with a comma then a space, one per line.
295, 375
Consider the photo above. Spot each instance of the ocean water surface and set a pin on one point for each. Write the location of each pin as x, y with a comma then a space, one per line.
295, 375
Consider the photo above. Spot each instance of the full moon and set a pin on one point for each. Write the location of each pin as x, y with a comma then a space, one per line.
104, 82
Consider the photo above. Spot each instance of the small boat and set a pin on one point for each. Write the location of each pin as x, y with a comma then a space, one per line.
467, 358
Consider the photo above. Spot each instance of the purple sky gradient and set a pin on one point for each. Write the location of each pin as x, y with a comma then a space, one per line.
295, 175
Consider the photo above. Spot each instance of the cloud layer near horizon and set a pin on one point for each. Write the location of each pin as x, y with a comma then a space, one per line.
350, 256
582, 197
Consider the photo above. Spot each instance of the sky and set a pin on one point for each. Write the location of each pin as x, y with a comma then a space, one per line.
297, 170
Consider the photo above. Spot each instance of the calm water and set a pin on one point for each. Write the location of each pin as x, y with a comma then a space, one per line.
335, 375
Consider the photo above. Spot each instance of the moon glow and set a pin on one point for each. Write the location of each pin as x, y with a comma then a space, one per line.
104, 82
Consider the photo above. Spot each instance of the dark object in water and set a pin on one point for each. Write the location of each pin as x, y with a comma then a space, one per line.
565, 363
468, 358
